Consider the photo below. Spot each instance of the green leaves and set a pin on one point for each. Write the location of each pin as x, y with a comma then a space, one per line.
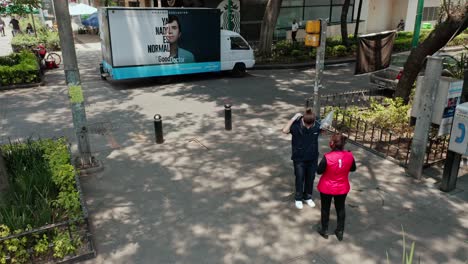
19, 68
391, 114
24, 41
42, 191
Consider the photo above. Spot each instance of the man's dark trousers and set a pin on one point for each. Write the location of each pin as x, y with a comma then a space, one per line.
305, 175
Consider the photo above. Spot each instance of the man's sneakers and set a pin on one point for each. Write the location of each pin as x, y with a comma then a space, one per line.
310, 203
299, 205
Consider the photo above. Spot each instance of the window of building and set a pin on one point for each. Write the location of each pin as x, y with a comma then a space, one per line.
431, 13
303, 10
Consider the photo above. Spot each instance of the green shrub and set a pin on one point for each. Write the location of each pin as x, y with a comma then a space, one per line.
313, 53
305, 57
403, 44
10, 60
353, 49
459, 40
26, 41
40, 175
391, 114
340, 50
329, 52
63, 245
405, 34
15, 247
334, 41
42, 191
38, 23
282, 48
25, 71
42, 246
296, 53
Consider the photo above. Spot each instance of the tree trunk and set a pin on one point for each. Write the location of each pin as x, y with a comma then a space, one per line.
344, 23
268, 26
3, 174
34, 23
435, 41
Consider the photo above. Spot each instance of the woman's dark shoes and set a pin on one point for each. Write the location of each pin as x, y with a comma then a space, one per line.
339, 235
322, 232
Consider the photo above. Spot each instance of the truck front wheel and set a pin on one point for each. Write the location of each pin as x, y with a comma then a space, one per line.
239, 70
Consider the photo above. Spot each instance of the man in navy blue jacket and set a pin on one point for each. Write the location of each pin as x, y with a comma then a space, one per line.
305, 130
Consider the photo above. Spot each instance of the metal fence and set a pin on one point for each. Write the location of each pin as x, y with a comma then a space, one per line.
78, 230
359, 98
382, 141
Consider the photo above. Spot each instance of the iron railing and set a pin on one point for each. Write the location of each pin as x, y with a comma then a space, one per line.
382, 141
361, 98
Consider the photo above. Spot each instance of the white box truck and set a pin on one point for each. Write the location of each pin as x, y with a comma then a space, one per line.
147, 42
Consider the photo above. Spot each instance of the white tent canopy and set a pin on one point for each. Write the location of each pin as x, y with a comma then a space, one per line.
81, 9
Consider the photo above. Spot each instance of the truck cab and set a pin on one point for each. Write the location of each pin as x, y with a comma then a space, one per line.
236, 54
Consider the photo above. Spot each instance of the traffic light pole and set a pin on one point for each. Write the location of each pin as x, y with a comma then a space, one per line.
72, 76
319, 66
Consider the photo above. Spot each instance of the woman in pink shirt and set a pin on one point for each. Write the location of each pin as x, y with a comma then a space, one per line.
334, 183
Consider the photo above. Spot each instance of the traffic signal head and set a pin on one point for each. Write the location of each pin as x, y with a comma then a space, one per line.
313, 26
313, 30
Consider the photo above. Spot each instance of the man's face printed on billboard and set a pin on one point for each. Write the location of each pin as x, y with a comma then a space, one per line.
172, 32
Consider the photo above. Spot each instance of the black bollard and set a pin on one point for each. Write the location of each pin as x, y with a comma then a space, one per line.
227, 117
158, 129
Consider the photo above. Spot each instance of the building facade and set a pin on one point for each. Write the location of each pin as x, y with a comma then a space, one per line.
383, 15
376, 15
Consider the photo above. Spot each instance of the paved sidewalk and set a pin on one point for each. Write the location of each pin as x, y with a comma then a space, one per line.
211, 196
5, 42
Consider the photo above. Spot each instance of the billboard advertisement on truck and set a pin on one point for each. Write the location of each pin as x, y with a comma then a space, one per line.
148, 42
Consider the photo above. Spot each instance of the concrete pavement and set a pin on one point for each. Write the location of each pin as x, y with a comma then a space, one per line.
5, 46
211, 196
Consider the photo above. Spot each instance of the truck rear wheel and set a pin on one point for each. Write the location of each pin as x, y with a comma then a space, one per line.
239, 70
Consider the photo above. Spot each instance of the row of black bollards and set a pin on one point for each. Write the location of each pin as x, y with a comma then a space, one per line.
158, 129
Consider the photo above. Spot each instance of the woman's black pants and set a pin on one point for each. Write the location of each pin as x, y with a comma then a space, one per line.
340, 210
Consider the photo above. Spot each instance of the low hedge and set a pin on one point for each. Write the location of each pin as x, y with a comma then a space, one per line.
19, 68
42, 191
25, 41
285, 50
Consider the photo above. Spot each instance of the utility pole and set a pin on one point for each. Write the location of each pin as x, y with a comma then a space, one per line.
417, 24
319, 65
423, 121
453, 159
72, 76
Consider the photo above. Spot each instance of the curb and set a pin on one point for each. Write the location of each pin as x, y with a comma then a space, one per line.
299, 65
21, 86
328, 62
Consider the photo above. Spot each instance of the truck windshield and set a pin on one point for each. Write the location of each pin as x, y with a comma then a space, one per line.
237, 43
